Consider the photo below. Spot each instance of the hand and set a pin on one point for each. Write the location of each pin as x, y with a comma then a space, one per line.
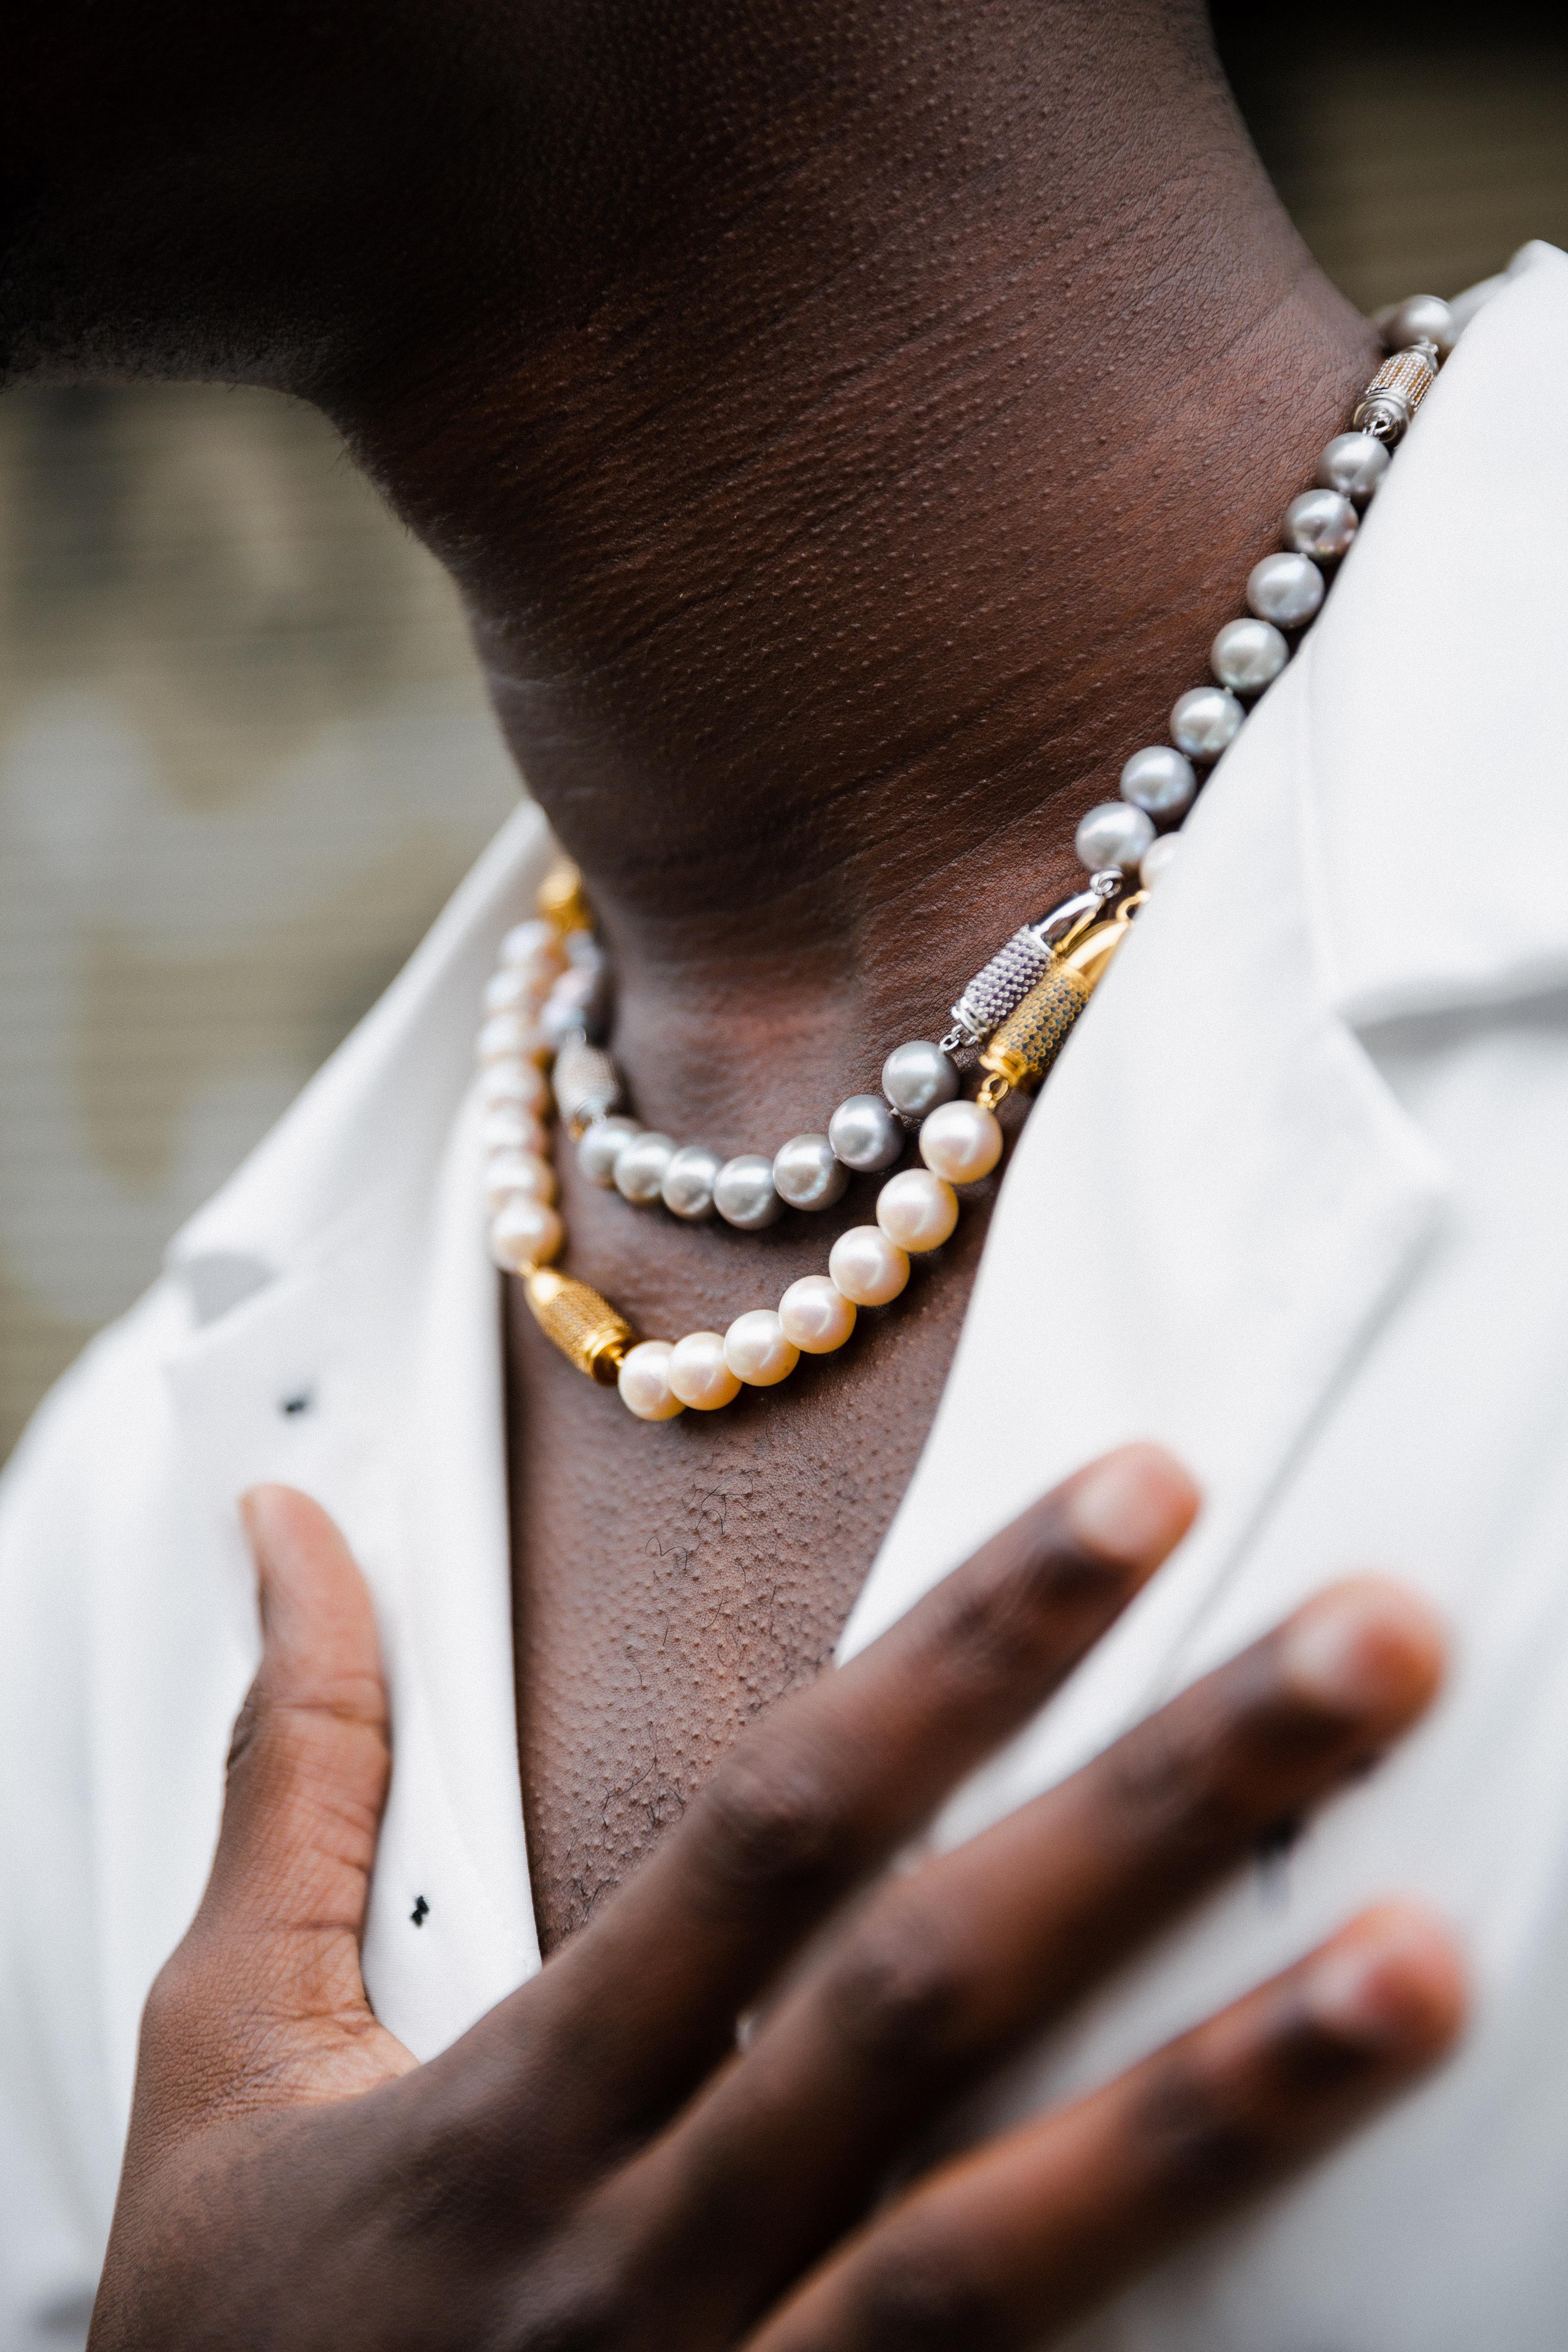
595, 2165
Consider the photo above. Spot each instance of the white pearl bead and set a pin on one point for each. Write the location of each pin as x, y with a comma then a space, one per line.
807, 1173
640, 1164
1354, 463
689, 1181
531, 943
864, 1133
744, 1192
918, 1075
1160, 781
815, 1315
507, 1127
1114, 834
602, 1145
525, 1233
698, 1375
1320, 523
1285, 589
1160, 859
917, 1210
867, 1266
508, 991
1205, 721
1248, 656
756, 1351
517, 1175
571, 1008
509, 1037
644, 1382
1419, 319
962, 1142
514, 1081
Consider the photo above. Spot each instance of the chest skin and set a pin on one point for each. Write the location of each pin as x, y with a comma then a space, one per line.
672, 1579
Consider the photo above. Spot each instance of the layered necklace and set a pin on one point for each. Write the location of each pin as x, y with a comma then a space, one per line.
545, 1010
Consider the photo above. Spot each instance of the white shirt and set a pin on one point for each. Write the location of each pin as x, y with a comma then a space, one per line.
1292, 1203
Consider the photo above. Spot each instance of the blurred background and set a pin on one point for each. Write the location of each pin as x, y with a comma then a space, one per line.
244, 751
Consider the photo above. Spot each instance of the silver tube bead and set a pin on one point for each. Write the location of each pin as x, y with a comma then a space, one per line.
586, 1084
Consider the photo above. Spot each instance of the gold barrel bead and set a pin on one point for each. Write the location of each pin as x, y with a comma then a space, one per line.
562, 900
585, 1326
1022, 1047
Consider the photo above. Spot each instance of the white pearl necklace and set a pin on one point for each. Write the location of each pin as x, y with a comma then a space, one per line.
1013, 1018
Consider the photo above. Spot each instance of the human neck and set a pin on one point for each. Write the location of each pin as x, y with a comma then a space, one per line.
835, 558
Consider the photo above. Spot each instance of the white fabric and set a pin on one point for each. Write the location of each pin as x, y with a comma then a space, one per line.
1290, 1202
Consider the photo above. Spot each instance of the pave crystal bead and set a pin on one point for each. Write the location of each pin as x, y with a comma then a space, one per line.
1001, 984
1395, 394
586, 1083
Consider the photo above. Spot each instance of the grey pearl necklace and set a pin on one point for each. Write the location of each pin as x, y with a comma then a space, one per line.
546, 1005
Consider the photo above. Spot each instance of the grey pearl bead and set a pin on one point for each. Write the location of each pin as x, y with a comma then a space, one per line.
689, 1181
807, 1173
864, 1133
1320, 523
1248, 656
1419, 319
744, 1192
1205, 721
1114, 834
1354, 463
1160, 781
1285, 589
917, 1076
602, 1145
640, 1165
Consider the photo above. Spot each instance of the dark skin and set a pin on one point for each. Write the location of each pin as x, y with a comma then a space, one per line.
847, 425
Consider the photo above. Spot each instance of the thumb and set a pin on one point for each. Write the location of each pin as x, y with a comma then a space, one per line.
275, 1943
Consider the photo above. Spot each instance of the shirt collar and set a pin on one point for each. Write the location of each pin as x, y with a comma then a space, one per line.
1436, 813
373, 1124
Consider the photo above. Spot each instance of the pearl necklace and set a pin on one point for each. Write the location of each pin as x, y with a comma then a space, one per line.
547, 1000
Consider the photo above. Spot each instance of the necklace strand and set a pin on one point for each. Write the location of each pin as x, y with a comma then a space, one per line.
546, 1002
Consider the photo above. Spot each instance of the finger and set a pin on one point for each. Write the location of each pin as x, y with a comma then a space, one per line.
945, 1972
270, 1970
644, 2002
1013, 2244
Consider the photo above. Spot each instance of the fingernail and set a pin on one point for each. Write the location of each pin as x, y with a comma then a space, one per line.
1393, 1983
1366, 1649
1135, 1505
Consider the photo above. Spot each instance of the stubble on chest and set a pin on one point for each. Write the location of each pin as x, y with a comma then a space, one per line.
671, 1581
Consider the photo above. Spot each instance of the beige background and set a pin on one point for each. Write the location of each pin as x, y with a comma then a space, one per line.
244, 754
